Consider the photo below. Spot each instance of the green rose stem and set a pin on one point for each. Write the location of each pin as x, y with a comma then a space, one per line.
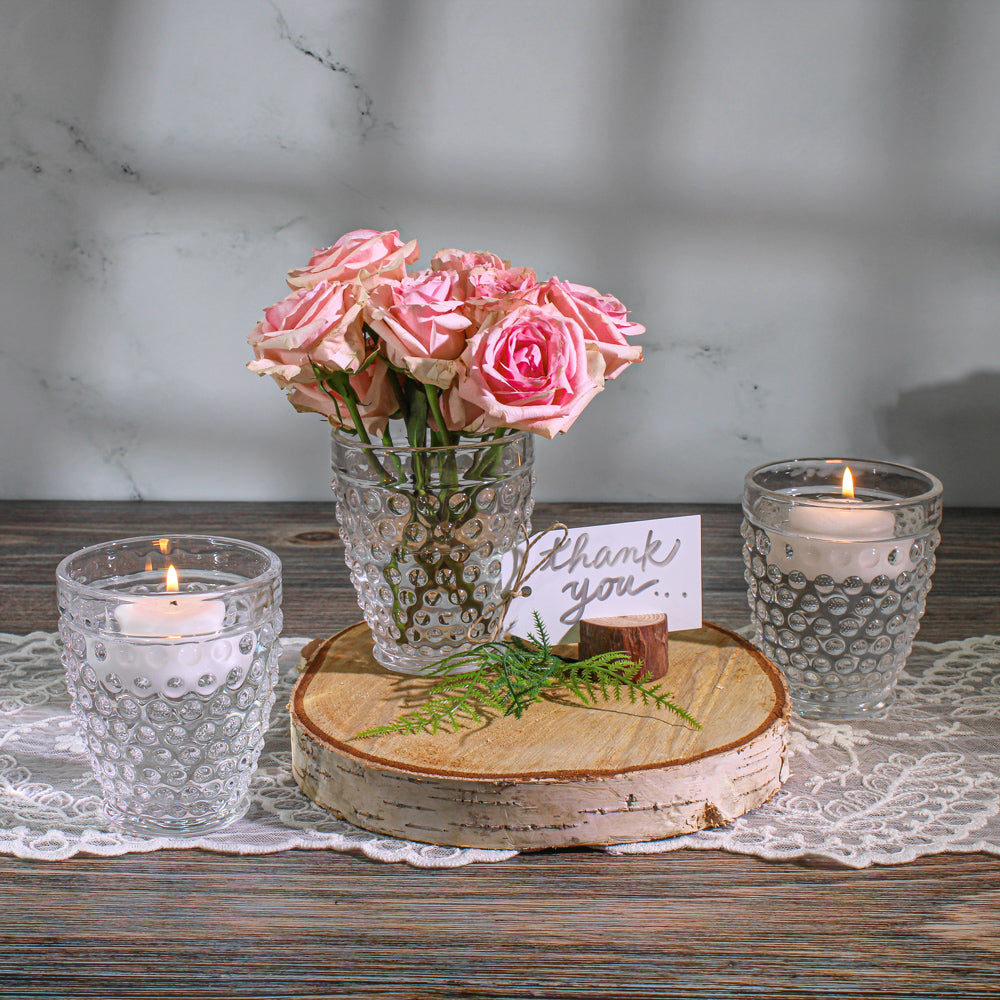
397, 391
403, 412
416, 432
486, 464
444, 436
449, 469
416, 422
337, 385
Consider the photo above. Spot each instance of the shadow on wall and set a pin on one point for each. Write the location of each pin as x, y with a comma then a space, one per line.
953, 431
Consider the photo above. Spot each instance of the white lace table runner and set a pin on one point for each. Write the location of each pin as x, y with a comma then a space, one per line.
923, 781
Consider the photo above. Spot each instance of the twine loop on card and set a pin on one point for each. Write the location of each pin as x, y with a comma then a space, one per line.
519, 585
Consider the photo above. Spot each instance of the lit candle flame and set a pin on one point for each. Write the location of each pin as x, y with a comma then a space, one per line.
847, 488
172, 582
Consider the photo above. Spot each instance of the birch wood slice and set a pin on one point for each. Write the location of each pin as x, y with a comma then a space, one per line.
564, 774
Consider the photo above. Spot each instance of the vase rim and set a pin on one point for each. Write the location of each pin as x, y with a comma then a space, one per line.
379, 446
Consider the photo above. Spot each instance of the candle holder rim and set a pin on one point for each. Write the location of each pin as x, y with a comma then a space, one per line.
353, 440
783, 496
267, 577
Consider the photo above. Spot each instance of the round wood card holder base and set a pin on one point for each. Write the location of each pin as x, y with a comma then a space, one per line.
563, 774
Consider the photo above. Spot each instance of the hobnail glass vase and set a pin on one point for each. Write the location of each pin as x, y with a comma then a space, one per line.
425, 531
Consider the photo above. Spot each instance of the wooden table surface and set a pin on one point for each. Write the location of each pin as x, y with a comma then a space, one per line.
570, 923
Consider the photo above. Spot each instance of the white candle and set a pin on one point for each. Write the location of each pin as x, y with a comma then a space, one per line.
848, 521
843, 538
190, 656
167, 615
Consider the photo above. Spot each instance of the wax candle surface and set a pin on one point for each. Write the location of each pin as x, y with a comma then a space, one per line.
171, 615
171, 646
844, 538
843, 520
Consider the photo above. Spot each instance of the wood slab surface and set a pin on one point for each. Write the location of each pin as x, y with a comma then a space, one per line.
563, 774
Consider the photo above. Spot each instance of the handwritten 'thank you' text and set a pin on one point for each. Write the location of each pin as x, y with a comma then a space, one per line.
587, 590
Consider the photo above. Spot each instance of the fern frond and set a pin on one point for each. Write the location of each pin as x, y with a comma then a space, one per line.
468, 698
616, 673
541, 634
506, 678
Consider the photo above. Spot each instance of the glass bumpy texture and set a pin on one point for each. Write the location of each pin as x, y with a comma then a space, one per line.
172, 705
840, 643
172, 756
424, 532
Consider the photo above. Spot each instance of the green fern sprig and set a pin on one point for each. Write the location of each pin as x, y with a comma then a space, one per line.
616, 674
505, 678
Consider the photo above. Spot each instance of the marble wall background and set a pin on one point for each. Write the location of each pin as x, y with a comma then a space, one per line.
798, 198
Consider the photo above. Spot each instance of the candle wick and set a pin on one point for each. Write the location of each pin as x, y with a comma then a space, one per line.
174, 602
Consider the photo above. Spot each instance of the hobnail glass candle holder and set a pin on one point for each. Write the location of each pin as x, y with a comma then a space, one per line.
172, 689
837, 586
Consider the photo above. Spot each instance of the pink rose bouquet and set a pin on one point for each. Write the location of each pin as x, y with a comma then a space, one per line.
469, 347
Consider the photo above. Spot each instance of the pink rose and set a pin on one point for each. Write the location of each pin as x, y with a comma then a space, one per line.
377, 401
322, 323
491, 289
462, 262
308, 397
484, 280
418, 318
531, 368
603, 319
493, 284
607, 304
363, 255
459, 414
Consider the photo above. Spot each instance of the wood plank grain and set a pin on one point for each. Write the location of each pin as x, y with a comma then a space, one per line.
319, 600
561, 924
